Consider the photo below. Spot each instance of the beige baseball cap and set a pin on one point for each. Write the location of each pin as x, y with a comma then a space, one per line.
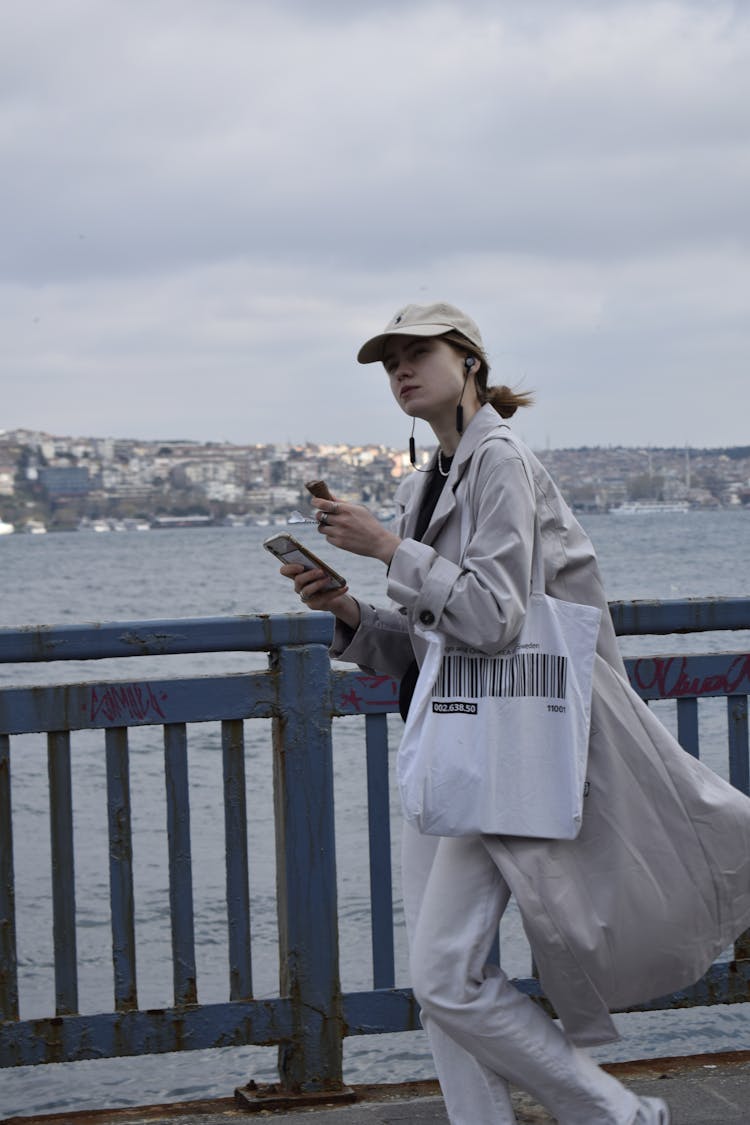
422, 320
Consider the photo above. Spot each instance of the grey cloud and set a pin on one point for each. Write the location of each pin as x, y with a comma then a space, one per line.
208, 206
541, 151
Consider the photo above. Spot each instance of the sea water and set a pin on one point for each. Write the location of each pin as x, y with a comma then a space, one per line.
86, 576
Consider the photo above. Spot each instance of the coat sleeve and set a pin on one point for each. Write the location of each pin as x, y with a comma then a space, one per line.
380, 644
480, 601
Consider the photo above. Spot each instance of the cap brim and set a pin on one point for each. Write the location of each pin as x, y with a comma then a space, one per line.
372, 350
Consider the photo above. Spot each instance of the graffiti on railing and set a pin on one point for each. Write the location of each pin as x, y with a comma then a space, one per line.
670, 679
371, 691
123, 702
312, 1013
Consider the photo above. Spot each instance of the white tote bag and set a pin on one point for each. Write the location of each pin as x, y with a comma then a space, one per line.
499, 744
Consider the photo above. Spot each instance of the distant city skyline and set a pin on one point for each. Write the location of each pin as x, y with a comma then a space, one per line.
64, 482
430, 443
209, 207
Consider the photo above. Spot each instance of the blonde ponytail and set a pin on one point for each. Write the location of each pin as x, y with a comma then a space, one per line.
504, 400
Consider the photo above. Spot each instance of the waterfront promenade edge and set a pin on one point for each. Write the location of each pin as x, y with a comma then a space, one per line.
700, 1090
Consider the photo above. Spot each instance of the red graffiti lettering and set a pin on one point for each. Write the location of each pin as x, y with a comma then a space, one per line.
352, 699
658, 672
370, 682
671, 679
125, 701
358, 701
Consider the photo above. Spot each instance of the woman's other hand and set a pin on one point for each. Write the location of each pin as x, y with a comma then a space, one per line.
354, 528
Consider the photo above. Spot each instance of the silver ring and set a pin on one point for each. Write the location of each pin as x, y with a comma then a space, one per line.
335, 509
302, 596
323, 518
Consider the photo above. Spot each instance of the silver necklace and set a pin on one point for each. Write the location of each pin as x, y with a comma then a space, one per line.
443, 472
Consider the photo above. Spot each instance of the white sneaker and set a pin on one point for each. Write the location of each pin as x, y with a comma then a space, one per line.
653, 1111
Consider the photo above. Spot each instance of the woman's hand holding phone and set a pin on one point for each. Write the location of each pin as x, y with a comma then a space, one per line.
313, 587
318, 585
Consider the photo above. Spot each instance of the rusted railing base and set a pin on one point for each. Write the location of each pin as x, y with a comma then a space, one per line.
255, 1098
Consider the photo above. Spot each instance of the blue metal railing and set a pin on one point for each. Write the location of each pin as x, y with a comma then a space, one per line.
301, 694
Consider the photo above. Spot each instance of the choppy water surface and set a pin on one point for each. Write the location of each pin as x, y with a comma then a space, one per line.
79, 577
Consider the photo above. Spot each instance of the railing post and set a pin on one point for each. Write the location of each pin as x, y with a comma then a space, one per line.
63, 872
306, 870
180, 865
739, 754
379, 823
238, 883
739, 773
122, 899
8, 961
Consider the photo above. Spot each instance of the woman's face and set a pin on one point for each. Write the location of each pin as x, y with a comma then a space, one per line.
426, 376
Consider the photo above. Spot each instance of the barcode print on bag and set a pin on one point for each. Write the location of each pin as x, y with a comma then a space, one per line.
524, 673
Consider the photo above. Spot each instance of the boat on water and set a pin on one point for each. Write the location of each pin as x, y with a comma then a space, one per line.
6, 528
161, 522
651, 508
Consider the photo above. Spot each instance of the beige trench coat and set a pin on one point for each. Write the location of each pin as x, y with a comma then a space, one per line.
657, 883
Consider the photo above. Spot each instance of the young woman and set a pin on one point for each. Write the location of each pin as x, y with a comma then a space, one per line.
644, 899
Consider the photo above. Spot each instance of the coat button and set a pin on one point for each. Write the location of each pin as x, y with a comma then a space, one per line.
427, 617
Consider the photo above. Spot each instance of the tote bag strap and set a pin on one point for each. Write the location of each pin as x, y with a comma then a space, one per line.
467, 511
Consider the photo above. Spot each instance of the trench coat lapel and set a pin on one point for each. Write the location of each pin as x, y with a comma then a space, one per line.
484, 422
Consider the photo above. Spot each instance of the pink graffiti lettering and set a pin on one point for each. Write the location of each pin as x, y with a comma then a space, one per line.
671, 680
352, 699
371, 684
125, 701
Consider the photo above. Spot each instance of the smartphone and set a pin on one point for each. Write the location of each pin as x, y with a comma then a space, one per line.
319, 488
289, 550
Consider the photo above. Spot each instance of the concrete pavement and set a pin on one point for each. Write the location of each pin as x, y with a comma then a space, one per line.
703, 1090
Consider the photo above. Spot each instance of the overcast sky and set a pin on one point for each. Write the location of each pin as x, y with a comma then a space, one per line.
207, 205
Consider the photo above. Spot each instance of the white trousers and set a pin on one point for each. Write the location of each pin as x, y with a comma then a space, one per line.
483, 1032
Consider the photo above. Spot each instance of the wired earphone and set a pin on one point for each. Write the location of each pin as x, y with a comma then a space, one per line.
468, 364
